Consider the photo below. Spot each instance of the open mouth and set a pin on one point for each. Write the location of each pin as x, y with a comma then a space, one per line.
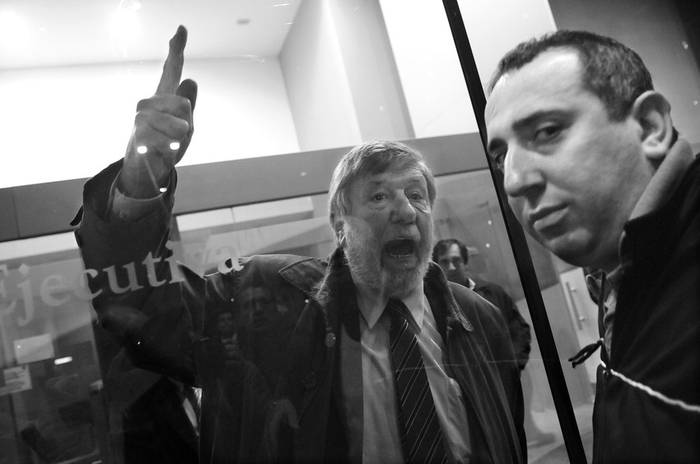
400, 248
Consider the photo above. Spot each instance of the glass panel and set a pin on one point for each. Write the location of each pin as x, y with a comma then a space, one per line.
476, 220
52, 390
672, 59
285, 88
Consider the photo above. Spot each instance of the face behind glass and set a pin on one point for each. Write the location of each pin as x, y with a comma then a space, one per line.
453, 265
225, 324
389, 230
571, 174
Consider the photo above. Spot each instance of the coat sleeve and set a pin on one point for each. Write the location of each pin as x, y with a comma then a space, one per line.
499, 337
140, 294
492, 326
518, 328
158, 311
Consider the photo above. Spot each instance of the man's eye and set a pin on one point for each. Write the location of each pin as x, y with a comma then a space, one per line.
379, 196
416, 196
546, 133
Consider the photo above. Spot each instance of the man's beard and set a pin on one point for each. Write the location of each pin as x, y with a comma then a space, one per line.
365, 261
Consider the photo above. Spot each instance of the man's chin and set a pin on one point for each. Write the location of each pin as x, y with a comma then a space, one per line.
575, 252
403, 275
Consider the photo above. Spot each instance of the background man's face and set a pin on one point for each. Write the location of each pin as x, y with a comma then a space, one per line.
453, 265
224, 324
571, 174
389, 230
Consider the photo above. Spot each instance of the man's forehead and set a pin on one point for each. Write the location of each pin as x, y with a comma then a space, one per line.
450, 253
454, 249
252, 293
544, 80
396, 175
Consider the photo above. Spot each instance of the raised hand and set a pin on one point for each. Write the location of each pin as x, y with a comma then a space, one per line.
162, 128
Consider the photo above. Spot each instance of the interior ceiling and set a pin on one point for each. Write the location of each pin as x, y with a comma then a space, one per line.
37, 33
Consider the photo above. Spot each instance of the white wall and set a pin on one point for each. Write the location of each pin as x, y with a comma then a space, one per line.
70, 122
653, 29
371, 70
317, 82
428, 65
61, 123
429, 69
496, 26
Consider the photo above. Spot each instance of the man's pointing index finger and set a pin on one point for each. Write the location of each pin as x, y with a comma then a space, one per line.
172, 68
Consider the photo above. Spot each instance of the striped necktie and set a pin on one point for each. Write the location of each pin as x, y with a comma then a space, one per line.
421, 435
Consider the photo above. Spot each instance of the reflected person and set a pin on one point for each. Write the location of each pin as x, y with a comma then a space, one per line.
595, 171
453, 257
385, 361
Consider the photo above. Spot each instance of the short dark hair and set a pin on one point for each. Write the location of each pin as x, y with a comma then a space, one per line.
443, 245
611, 71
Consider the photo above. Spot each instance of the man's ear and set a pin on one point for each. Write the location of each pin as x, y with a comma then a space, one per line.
338, 231
653, 112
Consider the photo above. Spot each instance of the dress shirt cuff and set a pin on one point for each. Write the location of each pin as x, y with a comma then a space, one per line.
125, 208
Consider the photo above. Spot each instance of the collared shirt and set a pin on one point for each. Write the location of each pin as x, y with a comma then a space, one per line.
373, 426
608, 296
471, 285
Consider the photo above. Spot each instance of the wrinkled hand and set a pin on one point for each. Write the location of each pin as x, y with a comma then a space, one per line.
282, 413
162, 128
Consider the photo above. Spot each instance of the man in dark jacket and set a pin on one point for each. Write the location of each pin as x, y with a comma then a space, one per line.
453, 257
596, 172
371, 356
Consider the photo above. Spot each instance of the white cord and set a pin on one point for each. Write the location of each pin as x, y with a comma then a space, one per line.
650, 391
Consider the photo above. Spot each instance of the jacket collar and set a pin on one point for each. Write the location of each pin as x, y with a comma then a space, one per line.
305, 274
657, 204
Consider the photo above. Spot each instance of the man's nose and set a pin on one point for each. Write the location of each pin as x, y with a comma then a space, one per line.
404, 211
451, 267
522, 174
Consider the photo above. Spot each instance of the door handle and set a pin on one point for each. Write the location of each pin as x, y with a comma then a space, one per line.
577, 315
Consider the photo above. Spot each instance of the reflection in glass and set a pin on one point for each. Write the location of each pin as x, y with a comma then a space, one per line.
301, 78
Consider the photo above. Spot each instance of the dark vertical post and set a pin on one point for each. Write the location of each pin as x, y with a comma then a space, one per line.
523, 261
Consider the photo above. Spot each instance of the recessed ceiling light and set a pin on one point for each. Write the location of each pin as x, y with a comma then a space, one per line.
243, 21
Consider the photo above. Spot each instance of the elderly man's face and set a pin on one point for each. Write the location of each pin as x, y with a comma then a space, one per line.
389, 230
572, 175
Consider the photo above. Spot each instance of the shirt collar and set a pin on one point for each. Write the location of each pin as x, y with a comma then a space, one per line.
660, 187
415, 302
